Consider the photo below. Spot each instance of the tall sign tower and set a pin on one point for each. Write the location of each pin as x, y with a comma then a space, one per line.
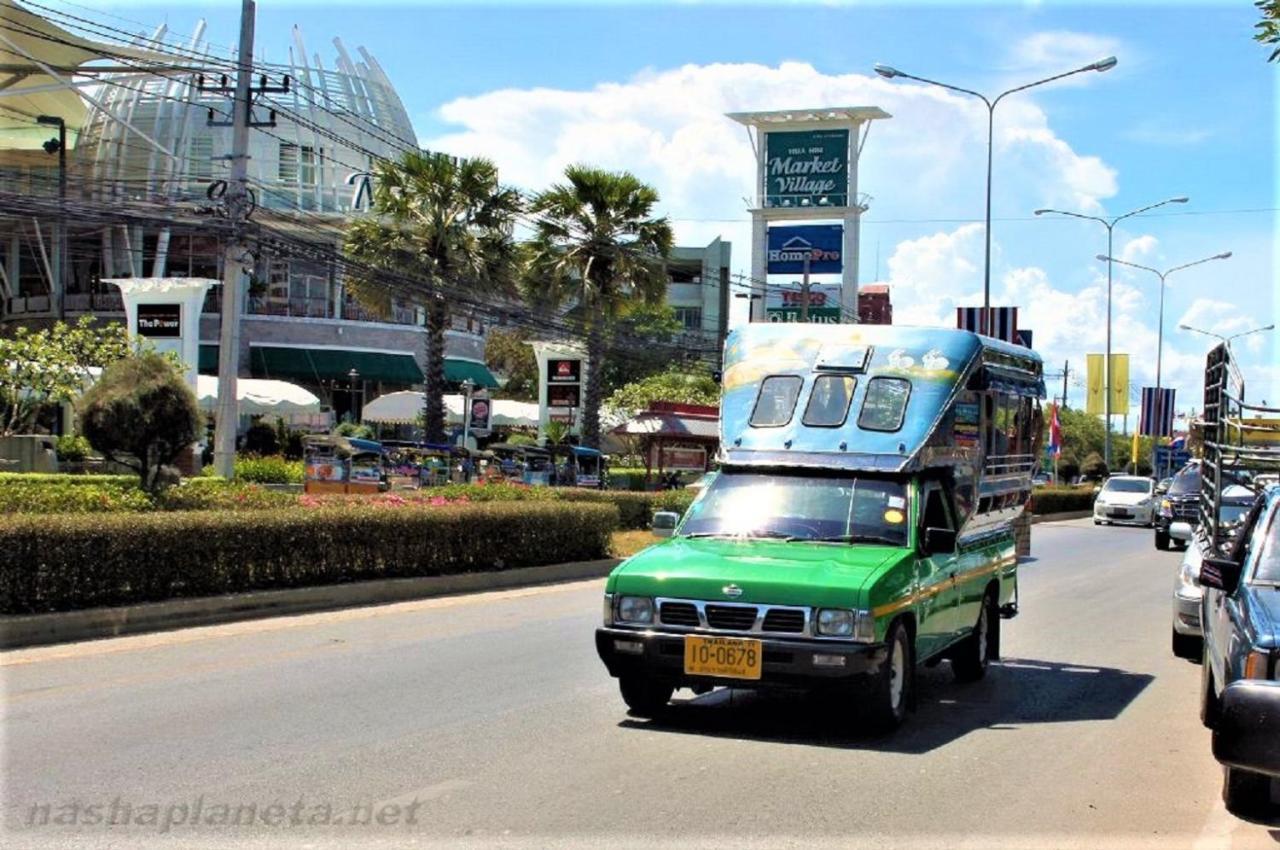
806, 172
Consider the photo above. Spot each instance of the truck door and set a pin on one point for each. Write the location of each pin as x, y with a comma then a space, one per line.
935, 577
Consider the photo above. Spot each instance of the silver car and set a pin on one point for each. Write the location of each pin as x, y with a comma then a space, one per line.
1188, 637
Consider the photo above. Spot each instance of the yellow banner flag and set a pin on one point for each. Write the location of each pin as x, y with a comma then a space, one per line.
1094, 403
1119, 384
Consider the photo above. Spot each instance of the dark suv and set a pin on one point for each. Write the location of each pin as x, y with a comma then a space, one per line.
1181, 503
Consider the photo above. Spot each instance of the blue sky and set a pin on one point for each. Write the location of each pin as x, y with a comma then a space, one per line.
1189, 110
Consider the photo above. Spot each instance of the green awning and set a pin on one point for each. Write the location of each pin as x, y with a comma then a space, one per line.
456, 371
207, 364
326, 364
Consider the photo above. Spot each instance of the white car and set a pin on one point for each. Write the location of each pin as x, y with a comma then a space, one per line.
1128, 499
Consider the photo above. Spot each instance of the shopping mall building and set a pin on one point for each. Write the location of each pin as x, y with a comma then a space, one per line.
137, 138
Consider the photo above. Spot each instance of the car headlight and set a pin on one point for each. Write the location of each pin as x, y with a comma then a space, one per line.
841, 622
1189, 581
634, 609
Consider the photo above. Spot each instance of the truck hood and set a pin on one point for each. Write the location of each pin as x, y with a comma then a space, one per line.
767, 571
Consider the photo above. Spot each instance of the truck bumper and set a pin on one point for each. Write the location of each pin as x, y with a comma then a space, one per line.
1247, 735
787, 664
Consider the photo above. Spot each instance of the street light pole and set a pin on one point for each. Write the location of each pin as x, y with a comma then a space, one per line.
889, 73
1106, 368
1162, 275
57, 121
1226, 340
804, 292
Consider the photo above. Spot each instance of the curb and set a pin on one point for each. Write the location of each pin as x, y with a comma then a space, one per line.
1060, 517
67, 626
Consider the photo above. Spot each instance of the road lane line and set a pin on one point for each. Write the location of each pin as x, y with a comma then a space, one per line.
134, 643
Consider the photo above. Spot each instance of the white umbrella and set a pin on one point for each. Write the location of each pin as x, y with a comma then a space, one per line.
404, 408
258, 396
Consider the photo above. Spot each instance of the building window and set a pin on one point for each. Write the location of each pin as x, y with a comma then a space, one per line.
690, 317
287, 172
308, 161
201, 161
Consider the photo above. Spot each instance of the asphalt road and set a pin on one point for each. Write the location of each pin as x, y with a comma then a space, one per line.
487, 719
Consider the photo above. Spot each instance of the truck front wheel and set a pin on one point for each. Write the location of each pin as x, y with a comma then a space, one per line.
1162, 540
891, 688
645, 697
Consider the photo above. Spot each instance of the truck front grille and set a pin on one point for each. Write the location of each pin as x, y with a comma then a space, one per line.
679, 614
735, 617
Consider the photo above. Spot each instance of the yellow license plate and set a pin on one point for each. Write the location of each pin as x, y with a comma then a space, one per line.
732, 658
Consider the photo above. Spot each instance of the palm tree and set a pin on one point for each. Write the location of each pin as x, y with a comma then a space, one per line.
596, 240
440, 227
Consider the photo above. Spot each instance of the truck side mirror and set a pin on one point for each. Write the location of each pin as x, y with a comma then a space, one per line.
1220, 573
1180, 531
1247, 734
939, 541
664, 523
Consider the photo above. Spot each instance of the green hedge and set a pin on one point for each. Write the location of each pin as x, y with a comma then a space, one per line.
1053, 500
635, 510
272, 469
63, 497
217, 494
58, 563
10, 478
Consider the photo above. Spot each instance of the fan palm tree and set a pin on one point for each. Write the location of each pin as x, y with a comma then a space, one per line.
596, 240
440, 228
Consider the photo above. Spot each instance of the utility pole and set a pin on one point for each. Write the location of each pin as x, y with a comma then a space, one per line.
804, 291
1066, 370
236, 197
238, 204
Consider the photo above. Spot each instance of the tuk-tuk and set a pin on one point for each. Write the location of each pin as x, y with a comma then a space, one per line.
508, 460
582, 467
538, 466
336, 464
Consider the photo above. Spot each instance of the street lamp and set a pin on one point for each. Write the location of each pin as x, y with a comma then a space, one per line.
59, 146
890, 73
1110, 225
354, 375
1160, 327
1226, 340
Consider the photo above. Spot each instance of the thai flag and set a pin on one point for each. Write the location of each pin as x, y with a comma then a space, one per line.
1157, 412
1055, 432
1002, 322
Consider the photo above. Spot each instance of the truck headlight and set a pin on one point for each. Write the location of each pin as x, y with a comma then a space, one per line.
1189, 582
635, 610
1166, 507
841, 622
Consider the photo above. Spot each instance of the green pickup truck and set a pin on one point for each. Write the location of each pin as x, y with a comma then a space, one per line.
861, 523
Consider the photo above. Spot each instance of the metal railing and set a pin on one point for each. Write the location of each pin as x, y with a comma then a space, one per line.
1241, 440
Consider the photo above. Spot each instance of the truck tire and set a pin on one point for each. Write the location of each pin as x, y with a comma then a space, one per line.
645, 697
1190, 647
1245, 792
892, 688
1210, 709
970, 659
1162, 540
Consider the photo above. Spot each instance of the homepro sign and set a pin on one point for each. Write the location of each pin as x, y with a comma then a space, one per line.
821, 243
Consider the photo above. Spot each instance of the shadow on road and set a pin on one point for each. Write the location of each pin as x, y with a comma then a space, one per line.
1014, 693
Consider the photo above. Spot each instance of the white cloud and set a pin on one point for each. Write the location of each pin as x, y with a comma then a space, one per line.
1058, 51
1138, 249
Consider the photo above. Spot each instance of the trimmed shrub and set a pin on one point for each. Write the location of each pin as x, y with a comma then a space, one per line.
73, 448
1053, 500
62, 497
57, 563
29, 478
268, 470
635, 510
210, 494
261, 439
141, 413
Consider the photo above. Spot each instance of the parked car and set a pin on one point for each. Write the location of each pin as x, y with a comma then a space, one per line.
1041, 479
1162, 486
1128, 499
1240, 611
1187, 635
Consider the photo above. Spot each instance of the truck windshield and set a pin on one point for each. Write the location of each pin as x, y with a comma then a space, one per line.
801, 506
